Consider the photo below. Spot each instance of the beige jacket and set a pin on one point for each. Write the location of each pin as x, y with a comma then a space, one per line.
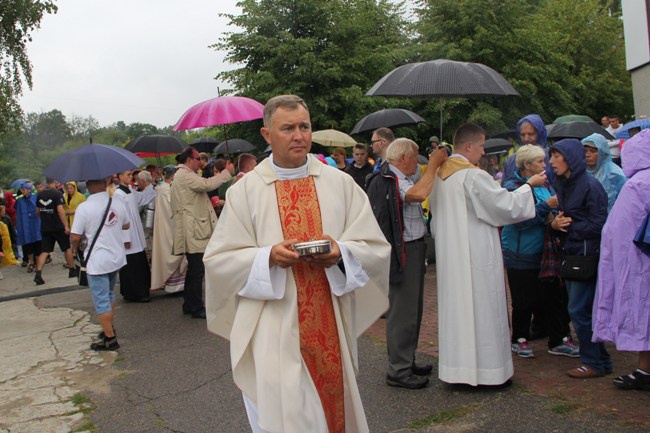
193, 218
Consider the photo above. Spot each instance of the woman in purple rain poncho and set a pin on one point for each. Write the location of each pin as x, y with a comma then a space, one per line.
622, 304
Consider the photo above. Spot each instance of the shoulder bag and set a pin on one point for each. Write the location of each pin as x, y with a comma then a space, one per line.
579, 268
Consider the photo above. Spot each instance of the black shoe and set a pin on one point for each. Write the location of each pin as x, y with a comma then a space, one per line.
411, 381
39, 280
199, 314
634, 380
422, 370
106, 344
72, 273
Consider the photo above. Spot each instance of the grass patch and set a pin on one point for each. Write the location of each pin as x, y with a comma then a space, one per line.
444, 417
118, 358
561, 408
79, 399
160, 423
88, 426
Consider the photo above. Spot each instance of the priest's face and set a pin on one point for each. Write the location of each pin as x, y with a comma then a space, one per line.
475, 149
289, 134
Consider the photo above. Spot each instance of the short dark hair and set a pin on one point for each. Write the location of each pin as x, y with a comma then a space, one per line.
361, 146
467, 132
50, 180
385, 133
188, 152
613, 116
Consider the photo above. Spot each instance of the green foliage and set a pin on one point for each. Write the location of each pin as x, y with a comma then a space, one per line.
18, 19
330, 53
43, 137
563, 57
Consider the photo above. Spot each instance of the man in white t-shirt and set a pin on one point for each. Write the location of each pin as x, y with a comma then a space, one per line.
108, 253
615, 144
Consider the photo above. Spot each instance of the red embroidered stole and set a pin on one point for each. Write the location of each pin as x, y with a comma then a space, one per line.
319, 341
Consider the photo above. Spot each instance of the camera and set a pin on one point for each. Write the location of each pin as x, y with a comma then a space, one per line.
429, 150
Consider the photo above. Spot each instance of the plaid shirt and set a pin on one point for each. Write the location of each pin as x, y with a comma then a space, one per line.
414, 227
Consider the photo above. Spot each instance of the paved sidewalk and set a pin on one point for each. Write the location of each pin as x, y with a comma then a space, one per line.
171, 375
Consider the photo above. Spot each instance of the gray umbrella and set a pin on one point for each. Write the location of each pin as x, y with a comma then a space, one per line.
156, 145
92, 162
497, 145
577, 130
443, 79
388, 118
234, 145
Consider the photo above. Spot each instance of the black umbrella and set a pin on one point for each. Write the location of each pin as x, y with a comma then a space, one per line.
150, 145
388, 118
507, 134
443, 79
497, 145
205, 144
234, 145
577, 130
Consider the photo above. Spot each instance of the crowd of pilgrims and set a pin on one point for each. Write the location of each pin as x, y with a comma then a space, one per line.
584, 209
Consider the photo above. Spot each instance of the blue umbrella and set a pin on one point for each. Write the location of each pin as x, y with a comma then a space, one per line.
16, 183
624, 133
92, 162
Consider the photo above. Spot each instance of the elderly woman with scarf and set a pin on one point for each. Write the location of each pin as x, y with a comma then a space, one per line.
622, 304
582, 205
72, 199
601, 166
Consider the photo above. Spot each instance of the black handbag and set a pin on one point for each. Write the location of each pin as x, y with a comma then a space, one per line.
579, 268
79, 262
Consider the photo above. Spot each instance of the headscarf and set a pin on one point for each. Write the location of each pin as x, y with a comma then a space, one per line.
71, 202
608, 174
538, 124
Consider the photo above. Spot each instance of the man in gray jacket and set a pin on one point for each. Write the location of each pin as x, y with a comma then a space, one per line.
193, 220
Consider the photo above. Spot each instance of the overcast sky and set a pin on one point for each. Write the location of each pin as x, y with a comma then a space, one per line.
132, 60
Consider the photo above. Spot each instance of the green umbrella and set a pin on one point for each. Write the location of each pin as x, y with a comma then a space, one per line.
573, 118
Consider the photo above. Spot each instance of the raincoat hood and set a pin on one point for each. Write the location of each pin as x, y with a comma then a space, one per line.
636, 153
539, 126
573, 153
604, 155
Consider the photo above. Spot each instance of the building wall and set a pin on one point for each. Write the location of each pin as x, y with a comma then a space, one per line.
641, 90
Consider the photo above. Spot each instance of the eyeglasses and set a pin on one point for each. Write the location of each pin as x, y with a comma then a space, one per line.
374, 141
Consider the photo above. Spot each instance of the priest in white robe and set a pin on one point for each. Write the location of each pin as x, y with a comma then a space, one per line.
167, 270
468, 206
256, 286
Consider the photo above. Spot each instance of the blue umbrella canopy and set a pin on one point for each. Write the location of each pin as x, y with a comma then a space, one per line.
16, 183
91, 162
642, 124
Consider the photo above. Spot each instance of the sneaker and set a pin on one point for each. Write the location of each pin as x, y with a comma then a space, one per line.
634, 380
106, 344
521, 348
38, 279
567, 348
72, 273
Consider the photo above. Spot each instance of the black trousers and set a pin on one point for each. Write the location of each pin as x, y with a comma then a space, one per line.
135, 277
193, 292
530, 294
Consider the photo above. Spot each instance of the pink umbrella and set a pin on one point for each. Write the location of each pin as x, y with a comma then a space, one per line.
221, 110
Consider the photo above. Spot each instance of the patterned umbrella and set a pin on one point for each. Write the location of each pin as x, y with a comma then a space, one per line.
624, 133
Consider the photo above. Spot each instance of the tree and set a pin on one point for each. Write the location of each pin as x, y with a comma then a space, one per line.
330, 53
18, 19
562, 57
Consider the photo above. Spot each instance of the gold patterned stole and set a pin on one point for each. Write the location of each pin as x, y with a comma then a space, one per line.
319, 341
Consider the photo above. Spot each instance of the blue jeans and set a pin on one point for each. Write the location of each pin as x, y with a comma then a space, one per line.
581, 301
101, 289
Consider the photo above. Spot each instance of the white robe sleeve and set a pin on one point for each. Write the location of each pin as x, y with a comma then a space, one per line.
494, 204
268, 283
